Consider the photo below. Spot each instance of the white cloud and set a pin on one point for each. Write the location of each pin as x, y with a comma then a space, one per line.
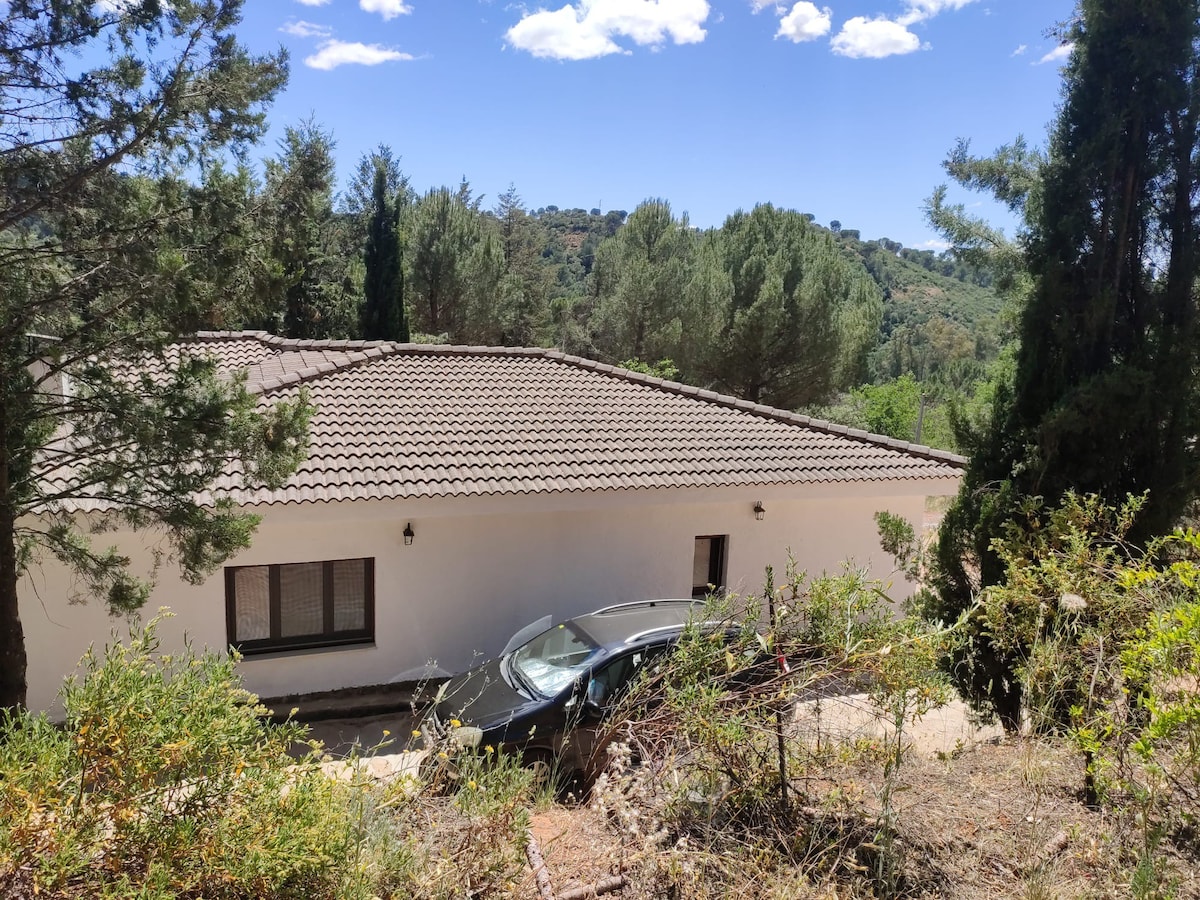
312, 2
300, 28
759, 5
107, 7
559, 35
935, 245
1020, 51
587, 29
805, 22
1062, 51
921, 10
389, 9
862, 38
334, 53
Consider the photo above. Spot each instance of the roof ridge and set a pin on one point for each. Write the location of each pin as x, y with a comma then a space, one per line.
274, 340
357, 353
370, 350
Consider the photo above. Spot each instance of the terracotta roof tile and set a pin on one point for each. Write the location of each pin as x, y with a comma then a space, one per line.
409, 420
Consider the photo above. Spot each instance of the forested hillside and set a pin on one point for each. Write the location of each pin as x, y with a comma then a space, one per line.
770, 306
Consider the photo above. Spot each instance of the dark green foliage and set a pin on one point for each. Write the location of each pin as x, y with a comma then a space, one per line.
1013, 176
113, 253
383, 315
640, 280
358, 201
443, 231
1103, 397
798, 317
522, 311
312, 291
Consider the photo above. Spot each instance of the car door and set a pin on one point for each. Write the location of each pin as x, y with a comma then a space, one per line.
587, 742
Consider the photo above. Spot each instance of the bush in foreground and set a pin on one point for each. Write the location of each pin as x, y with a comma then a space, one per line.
733, 789
167, 780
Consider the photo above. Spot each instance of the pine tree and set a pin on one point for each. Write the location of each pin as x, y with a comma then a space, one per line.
1104, 395
111, 253
522, 306
311, 292
641, 276
798, 316
383, 317
444, 230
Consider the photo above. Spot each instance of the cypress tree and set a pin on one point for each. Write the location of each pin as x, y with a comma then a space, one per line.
1104, 398
383, 316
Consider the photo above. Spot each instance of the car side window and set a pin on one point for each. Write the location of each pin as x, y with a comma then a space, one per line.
608, 682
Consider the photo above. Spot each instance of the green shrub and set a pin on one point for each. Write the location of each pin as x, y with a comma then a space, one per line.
1107, 640
733, 778
167, 780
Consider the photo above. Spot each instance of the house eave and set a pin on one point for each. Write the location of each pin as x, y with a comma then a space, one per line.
562, 501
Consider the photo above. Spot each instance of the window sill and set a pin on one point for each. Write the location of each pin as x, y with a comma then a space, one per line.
289, 652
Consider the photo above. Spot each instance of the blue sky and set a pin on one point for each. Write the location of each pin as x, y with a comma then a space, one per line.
844, 110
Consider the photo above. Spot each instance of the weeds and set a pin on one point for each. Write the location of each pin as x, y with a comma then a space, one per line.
707, 806
1107, 636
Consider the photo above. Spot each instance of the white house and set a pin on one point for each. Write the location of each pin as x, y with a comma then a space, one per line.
454, 494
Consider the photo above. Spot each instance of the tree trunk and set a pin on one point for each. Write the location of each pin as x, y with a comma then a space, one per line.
12, 637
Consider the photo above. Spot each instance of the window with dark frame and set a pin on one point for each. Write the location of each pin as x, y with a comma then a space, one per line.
295, 606
708, 564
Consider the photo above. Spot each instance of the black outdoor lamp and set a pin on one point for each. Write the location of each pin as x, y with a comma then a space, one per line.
409, 534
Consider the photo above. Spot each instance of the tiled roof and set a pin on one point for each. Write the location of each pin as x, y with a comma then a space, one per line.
413, 420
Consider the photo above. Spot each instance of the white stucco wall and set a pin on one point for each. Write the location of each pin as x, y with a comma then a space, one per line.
478, 569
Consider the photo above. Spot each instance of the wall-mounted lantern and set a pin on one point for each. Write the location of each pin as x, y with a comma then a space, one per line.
409, 534
760, 511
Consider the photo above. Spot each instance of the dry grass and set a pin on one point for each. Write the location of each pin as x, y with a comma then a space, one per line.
1003, 819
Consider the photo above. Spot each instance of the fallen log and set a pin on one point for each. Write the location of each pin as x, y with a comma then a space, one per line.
1051, 849
541, 874
604, 886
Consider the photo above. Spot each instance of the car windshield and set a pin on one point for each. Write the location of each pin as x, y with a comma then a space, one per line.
553, 659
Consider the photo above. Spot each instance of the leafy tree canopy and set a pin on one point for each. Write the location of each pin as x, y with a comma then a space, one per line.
110, 251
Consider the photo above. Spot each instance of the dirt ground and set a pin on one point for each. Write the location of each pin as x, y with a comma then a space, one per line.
577, 845
1005, 818
1001, 819
366, 736
980, 814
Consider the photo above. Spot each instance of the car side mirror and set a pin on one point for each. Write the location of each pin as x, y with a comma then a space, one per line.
593, 701
592, 709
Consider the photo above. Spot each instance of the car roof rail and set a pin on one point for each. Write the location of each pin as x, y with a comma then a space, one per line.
661, 629
705, 627
645, 604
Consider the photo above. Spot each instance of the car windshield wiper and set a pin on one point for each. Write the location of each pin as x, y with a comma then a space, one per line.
521, 678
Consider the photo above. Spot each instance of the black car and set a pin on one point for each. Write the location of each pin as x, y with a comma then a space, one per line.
544, 699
